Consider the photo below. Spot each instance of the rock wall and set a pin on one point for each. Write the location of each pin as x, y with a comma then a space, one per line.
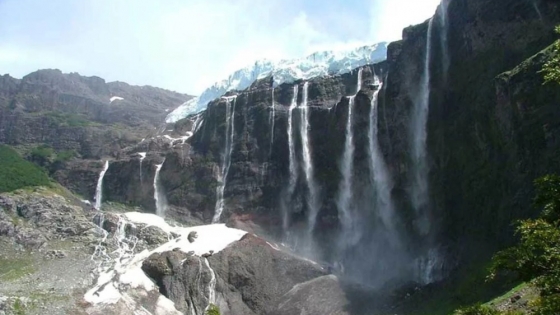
73, 112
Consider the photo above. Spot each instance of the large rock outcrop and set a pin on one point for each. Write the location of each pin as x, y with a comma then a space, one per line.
250, 276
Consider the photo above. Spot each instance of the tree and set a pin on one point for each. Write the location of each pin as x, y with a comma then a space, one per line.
537, 256
551, 68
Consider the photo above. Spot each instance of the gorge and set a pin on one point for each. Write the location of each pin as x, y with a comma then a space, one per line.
351, 192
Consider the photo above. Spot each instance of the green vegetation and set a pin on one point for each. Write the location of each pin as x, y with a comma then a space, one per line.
484, 310
41, 155
19, 307
213, 310
14, 269
509, 294
49, 159
69, 120
551, 68
65, 156
536, 259
16, 173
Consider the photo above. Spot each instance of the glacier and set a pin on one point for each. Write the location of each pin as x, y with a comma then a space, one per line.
285, 71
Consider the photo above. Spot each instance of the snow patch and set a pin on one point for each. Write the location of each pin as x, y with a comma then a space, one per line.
285, 71
115, 98
125, 279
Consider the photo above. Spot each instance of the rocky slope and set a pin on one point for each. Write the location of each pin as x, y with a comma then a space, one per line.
84, 114
59, 257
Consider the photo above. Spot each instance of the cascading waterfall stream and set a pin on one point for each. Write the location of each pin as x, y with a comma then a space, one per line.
313, 190
378, 169
536, 6
226, 159
142, 157
427, 265
159, 194
419, 136
293, 162
99, 189
272, 120
344, 200
211, 285
442, 12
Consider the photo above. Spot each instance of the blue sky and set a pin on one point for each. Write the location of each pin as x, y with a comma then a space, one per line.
186, 45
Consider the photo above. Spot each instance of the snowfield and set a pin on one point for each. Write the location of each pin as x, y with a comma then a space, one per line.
125, 279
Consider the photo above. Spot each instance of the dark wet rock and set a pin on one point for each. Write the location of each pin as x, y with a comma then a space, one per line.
251, 277
55, 254
152, 235
192, 236
323, 295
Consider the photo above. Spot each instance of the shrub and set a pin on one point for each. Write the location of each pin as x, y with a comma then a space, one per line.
551, 68
64, 156
42, 154
537, 256
212, 310
16, 173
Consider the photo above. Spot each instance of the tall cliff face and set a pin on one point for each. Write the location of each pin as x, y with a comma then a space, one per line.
260, 165
489, 134
479, 181
491, 129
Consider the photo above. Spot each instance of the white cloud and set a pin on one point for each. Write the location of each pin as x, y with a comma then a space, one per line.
394, 15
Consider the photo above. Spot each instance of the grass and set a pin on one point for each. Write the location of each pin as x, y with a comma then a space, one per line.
508, 295
14, 269
16, 172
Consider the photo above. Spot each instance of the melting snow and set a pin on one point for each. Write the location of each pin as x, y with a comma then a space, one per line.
115, 98
114, 283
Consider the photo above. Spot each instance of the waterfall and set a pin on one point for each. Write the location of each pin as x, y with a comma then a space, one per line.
211, 285
419, 137
293, 162
197, 123
272, 119
344, 200
427, 264
313, 190
378, 169
142, 157
536, 6
99, 189
226, 157
442, 12
159, 194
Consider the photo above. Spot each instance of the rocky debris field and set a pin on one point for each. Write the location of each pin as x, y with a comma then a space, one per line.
50, 249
